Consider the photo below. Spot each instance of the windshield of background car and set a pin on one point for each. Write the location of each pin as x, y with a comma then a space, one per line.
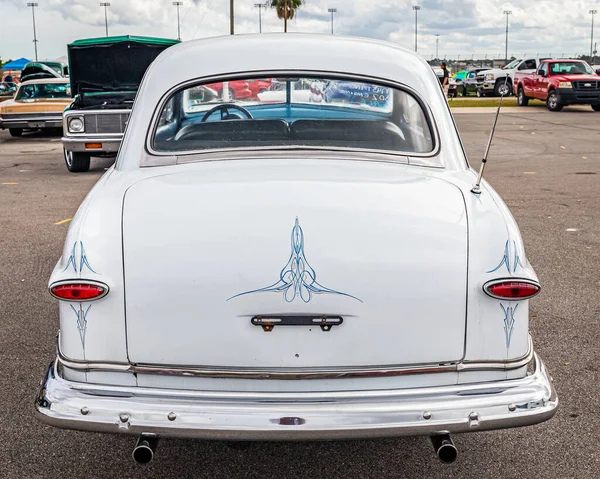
513, 64
293, 112
43, 90
570, 68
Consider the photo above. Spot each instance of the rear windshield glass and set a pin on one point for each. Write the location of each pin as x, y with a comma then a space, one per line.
293, 112
43, 90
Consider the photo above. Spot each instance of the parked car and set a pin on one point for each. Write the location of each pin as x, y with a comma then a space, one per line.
7, 90
499, 81
559, 83
37, 105
242, 89
466, 81
105, 75
44, 70
298, 271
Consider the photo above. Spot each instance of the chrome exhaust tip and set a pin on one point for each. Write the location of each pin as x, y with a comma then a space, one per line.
144, 449
444, 448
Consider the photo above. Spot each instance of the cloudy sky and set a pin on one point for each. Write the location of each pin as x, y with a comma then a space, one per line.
466, 27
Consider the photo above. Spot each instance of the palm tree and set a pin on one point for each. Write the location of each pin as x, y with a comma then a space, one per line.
286, 9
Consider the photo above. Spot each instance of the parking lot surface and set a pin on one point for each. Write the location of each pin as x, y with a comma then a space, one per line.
546, 168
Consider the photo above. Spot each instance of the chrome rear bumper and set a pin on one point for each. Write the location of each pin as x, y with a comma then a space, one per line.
297, 416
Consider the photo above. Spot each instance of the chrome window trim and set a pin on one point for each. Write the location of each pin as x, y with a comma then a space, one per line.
294, 373
282, 73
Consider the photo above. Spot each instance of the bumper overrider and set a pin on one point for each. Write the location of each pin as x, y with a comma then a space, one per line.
297, 416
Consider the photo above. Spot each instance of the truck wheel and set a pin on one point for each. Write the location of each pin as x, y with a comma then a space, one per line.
480, 94
77, 162
15, 131
522, 100
552, 102
596, 107
502, 87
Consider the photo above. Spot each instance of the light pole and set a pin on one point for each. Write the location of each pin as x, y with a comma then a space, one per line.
592, 12
105, 4
416, 8
260, 6
35, 41
178, 4
437, 44
507, 13
332, 11
231, 29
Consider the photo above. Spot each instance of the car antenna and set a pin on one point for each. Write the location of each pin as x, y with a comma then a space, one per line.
477, 188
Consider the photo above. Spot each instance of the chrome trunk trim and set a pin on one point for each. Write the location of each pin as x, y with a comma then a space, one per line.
293, 373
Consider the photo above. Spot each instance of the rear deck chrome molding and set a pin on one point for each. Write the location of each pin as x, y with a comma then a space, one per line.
247, 415
294, 373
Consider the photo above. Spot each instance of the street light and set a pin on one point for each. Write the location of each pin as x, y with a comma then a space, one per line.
592, 12
507, 13
332, 11
231, 18
178, 4
105, 4
260, 6
35, 41
416, 8
437, 44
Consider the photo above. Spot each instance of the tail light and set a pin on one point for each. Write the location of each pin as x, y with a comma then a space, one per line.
78, 290
511, 289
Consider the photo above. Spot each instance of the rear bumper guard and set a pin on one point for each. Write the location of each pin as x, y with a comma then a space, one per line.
297, 416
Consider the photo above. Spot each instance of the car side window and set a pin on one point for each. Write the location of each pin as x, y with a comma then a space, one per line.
527, 65
543, 70
168, 114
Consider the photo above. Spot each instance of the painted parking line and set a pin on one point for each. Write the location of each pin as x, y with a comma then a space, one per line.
11, 183
529, 172
62, 222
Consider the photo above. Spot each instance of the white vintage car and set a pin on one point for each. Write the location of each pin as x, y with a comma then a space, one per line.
293, 270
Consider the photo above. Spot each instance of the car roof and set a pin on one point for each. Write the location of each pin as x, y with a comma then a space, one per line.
272, 52
45, 81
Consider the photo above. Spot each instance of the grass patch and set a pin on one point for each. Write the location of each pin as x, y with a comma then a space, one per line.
483, 102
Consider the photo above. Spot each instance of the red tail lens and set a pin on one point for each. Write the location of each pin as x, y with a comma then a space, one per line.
78, 291
512, 290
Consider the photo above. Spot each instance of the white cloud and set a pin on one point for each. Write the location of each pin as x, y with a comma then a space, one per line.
466, 27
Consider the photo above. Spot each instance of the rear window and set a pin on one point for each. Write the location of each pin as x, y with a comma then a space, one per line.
292, 112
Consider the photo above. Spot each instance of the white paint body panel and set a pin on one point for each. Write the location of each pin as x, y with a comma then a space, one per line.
413, 243
397, 241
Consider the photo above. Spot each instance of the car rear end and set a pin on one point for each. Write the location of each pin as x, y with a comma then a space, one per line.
294, 270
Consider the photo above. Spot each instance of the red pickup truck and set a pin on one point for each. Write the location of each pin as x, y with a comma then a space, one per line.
559, 83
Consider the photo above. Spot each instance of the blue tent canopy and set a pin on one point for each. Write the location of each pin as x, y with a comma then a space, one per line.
16, 64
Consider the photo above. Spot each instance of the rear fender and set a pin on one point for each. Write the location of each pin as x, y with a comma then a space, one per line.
94, 330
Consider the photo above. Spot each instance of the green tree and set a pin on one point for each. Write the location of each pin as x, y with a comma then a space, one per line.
286, 9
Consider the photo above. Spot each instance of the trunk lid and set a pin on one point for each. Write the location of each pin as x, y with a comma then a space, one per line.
204, 254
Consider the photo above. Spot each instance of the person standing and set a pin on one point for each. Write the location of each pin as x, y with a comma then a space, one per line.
445, 79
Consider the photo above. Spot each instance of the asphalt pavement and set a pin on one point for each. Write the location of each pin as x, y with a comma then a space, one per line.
545, 165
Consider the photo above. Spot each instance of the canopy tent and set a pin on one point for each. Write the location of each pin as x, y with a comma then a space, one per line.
16, 64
